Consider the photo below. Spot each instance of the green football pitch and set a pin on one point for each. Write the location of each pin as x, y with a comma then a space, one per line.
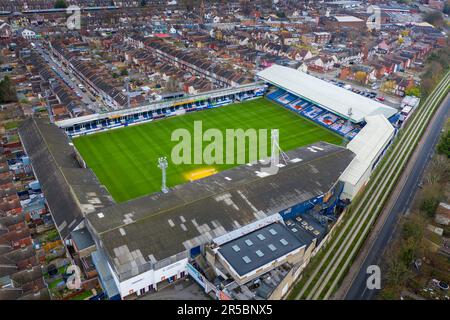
125, 160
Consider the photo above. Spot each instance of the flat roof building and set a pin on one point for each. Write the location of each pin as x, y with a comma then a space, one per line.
259, 251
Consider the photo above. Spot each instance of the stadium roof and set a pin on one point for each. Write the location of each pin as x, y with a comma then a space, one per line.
139, 233
325, 94
71, 191
367, 145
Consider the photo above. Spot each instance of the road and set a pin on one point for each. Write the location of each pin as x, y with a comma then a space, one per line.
89, 100
358, 289
359, 218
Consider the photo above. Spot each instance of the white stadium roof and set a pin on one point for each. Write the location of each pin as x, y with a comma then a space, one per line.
325, 94
367, 145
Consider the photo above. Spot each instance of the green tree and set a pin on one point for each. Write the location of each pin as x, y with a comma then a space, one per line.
427, 86
281, 14
361, 76
408, 252
397, 272
447, 7
413, 91
7, 91
189, 4
435, 18
60, 4
412, 229
444, 145
246, 7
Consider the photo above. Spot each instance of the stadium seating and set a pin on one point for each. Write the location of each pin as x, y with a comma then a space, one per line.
315, 113
105, 124
274, 95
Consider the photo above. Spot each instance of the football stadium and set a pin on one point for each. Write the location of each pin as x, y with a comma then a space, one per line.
125, 160
224, 225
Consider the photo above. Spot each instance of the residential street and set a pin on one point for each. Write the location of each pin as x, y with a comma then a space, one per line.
85, 97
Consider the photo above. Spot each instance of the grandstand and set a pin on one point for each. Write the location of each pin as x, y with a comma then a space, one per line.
160, 109
321, 101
